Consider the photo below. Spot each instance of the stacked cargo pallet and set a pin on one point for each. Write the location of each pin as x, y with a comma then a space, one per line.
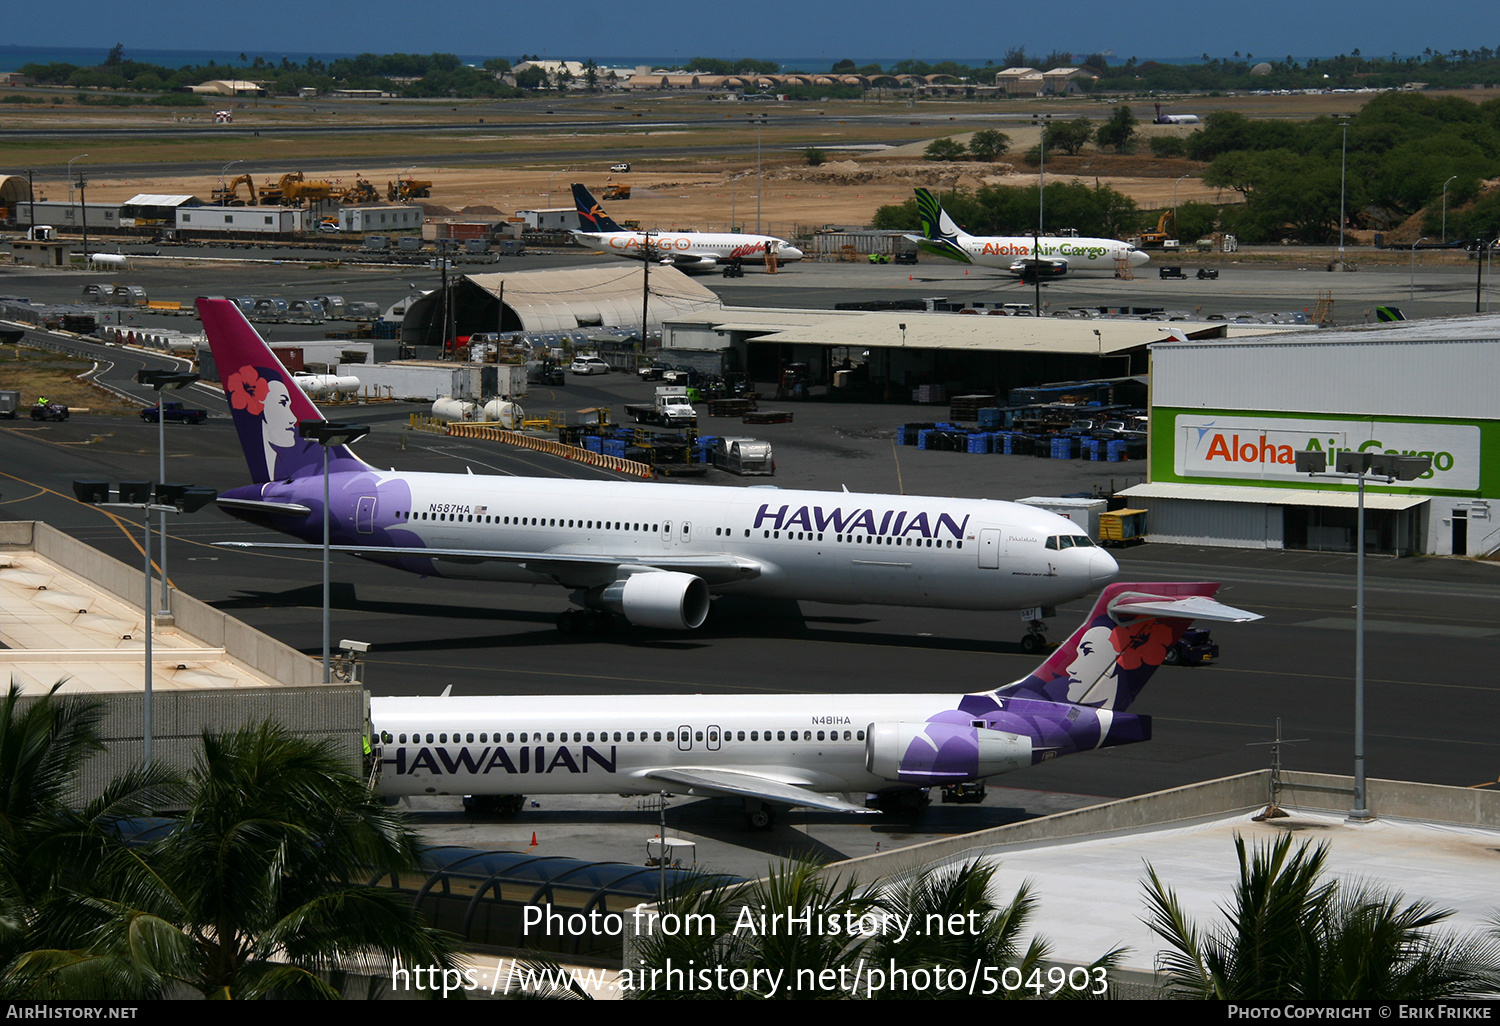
967, 408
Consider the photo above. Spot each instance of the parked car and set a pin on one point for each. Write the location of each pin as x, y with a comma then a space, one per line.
652, 371
589, 365
172, 410
620, 168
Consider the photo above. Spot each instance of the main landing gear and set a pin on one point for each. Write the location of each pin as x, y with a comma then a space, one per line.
494, 804
586, 621
905, 803
759, 815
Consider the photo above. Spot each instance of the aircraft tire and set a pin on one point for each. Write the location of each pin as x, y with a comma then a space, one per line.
763, 818
1032, 643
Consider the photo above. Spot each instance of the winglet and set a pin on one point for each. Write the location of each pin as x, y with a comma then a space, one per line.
1126, 637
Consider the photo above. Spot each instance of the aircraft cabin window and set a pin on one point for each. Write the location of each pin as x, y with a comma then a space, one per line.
698, 735
617, 735
429, 739
781, 735
442, 739
755, 735
859, 735
820, 735
469, 738
403, 739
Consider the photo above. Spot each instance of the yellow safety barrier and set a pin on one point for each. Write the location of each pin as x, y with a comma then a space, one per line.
567, 452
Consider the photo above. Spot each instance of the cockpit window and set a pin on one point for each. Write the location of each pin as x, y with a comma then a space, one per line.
1068, 541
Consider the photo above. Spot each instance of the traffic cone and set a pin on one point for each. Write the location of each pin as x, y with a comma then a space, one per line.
533, 838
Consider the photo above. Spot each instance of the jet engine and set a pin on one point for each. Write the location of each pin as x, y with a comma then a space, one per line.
660, 598
936, 752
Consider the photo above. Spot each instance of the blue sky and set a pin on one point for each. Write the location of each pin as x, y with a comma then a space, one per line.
860, 29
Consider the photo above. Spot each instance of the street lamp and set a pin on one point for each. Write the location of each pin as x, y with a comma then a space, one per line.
1175, 231
327, 433
83, 210
223, 199
1445, 207
169, 498
1358, 466
1343, 166
759, 121
1411, 286
70, 176
162, 380
549, 183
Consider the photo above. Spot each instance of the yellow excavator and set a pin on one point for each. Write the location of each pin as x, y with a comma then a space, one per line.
295, 189
1156, 239
225, 196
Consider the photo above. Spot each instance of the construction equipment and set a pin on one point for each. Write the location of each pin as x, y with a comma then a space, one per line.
294, 189
1158, 238
360, 192
613, 192
402, 190
226, 195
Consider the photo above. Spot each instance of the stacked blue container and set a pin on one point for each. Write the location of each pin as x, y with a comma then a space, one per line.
1062, 448
922, 437
1115, 451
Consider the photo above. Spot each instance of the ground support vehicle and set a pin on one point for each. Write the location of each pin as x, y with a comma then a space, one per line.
10, 404
1172, 272
671, 409
43, 409
1194, 648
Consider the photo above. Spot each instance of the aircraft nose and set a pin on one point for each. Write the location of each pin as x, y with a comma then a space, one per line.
1138, 259
1102, 567
789, 253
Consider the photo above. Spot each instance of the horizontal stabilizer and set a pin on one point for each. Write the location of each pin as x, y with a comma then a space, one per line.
1189, 607
284, 509
733, 784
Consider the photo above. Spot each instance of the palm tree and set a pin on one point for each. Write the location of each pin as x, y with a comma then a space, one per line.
46, 844
252, 894
1291, 934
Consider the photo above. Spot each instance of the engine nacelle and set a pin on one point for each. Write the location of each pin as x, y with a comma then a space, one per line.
939, 753
659, 598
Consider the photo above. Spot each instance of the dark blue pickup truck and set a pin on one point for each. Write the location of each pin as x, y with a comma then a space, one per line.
172, 410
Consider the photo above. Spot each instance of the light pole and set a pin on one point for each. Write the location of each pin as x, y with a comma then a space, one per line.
549, 183
162, 380
83, 211
1359, 466
1411, 286
223, 199
1343, 166
1175, 184
1445, 207
760, 120
327, 433
170, 498
70, 176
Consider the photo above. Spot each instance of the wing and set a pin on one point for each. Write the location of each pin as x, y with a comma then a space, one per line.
570, 569
694, 262
736, 784
942, 248
280, 509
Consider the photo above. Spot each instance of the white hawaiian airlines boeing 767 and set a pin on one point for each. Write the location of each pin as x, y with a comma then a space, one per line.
654, 553
1052, 256
793, 750
686, 251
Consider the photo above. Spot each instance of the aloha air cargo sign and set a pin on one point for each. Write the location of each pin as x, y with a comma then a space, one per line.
1262, 448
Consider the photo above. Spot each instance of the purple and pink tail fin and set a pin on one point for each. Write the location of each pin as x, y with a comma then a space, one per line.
264, 399
1126, 637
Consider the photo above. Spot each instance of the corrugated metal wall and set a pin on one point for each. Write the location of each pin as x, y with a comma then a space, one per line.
1351, 376
1232, 525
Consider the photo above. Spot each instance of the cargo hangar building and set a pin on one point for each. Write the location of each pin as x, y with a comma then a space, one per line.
1226, 416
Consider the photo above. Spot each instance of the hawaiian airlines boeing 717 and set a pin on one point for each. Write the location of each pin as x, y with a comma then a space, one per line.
686, 251
654, 553
817, 751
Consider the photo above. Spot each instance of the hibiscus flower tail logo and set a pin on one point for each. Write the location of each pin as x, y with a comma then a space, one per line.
248, 390
1140, 645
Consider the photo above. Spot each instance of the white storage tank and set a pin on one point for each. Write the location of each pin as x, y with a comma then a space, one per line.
507, 414
453, 410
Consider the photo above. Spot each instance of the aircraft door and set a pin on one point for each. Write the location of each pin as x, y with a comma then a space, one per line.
684, 738
364, 515
713, 738
991, 546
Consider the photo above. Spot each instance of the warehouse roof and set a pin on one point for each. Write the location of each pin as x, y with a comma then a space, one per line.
1271, 496
950, 331
581, 297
